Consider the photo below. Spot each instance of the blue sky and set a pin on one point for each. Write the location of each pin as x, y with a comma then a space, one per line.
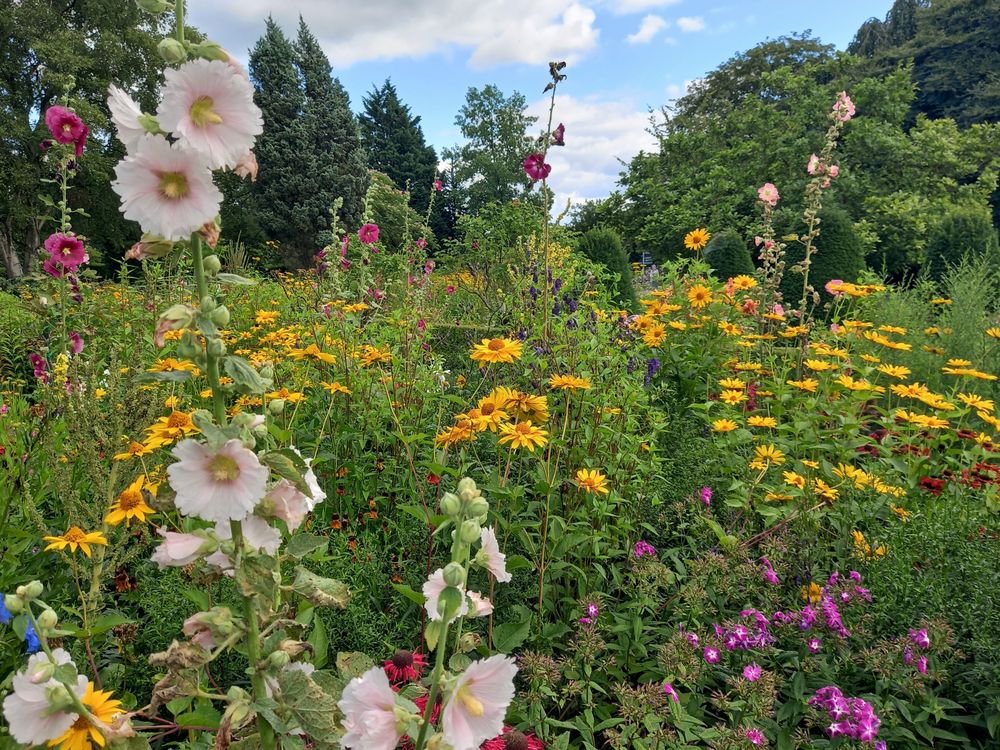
625, 57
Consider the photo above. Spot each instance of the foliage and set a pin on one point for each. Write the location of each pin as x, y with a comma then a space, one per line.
395, 144
839, 255
399, 225
603, 245
728, 256
961, 233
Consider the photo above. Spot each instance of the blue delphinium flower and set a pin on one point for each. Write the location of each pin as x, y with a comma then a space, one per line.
5, 615
31, 642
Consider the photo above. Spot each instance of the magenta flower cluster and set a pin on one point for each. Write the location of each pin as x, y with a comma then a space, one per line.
643, 548
853, 718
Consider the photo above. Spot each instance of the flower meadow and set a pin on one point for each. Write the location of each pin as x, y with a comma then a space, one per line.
482, 497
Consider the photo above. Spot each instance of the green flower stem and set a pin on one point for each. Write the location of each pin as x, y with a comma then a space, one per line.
435, 687
266, 731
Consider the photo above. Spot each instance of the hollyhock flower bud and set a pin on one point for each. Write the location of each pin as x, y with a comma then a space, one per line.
454, 574
171, 51
47, 619
450, 504
149, 247
559, 135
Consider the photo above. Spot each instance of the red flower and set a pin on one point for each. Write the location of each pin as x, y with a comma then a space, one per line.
404, 666
433, 479
559, 135
536, 168
513, 739
932, 485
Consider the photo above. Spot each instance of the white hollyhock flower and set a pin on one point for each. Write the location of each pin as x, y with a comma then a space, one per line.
30, 717
490, 556
288, 504
209, 107
369, 703
166, 188
125, 114
179, 549
216, 485
433, 587
476, 707
312, 482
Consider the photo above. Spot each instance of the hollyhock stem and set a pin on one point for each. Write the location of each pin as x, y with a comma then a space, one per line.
435, 687
212, 366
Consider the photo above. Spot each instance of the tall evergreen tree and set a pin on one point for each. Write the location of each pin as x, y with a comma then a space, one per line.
335, 139
287, 182
392, 135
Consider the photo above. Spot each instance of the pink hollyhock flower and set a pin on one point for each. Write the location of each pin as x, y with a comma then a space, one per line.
475, 709
559, 135
125, 114
66, 250
66, 127
450, 289
246, 167
479, 605
778, 309
178, 549
671, 693
843, 108
422, 243
39, 367
490, 556
706, 495
536, 168
433, 587
287, 503
752, 672
75, 342
216, 485
368, 234
834, 170
404, 666
198, 631
31, 718
834, 287
167, 189
208, 106
513, 739
438, 185
814, 166
368, 704
768, 194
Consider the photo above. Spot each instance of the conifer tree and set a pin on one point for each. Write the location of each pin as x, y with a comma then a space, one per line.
337, 152
728, 255
394, 140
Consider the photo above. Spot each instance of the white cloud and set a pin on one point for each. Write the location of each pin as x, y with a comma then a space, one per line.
691, 23
495, 31
599, 132
636, 6
649, 27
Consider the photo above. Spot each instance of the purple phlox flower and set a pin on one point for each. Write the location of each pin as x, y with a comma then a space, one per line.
907, 655
769, 575
855, 576
807, 618
752, 672
920, 638
671, 693
652, 367
922, 665
643, 548
711, 655
755, 736
706, 495
813, 644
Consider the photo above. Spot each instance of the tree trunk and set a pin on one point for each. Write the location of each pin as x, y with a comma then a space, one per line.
8, 252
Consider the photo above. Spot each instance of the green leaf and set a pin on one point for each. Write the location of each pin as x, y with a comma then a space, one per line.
320, 643
312, 707
283, 464
302, 544
174, 376
414, 596
323, 592
353, 664
202, 716
244, 374
510, 635
233, 278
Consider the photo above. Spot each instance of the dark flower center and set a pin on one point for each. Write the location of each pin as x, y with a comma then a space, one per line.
515, 740
402, 659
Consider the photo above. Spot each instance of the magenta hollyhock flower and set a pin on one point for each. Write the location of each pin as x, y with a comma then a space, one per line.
368, 234
438, 185
66, 250
671, 693
75, 342
536, 168
559, 135
768, 194
66, 127
711, 655
755, 736
404, 666
39, 367
752, 672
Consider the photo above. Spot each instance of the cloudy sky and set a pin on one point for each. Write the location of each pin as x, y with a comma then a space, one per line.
625, 57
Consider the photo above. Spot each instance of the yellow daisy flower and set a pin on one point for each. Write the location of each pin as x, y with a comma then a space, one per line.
131, 503
523, 435
82, 734
569, 382
696, 239
724, 425
497, 350
76, 537
592, 481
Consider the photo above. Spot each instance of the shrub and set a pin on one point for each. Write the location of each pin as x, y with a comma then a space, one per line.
839, 255
728, 256
963, 232
603, 245
18, 328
